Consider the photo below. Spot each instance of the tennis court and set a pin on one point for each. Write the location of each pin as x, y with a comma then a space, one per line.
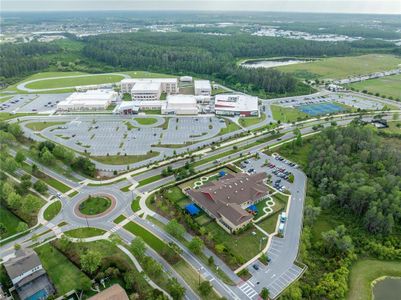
320, 109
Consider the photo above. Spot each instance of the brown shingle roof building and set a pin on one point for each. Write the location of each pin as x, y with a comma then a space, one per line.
227, 198
115, 292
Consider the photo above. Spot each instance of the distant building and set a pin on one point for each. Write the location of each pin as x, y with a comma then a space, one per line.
168, 85
186, 79
28, 276
202, 88
146, 91
115, 292
227, 199
89, 100
180, 105
236, 105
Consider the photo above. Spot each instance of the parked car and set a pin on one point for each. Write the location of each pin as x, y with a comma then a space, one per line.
256, 267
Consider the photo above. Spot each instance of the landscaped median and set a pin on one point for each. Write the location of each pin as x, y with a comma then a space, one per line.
168, 252
52, 210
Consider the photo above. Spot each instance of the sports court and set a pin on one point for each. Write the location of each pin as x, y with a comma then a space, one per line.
320, 109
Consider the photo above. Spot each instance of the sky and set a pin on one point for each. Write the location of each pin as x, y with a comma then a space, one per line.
331, 6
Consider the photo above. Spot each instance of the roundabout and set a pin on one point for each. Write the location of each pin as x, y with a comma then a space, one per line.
94, 206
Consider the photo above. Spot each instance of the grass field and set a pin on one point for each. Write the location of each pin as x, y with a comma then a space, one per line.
74, 81
249, 121
52, 210
364, 271
63, 273
287, 114
392, 127
135, 204
94, 205
9, 220
389, 86
124, 159
150, 239
39, 126
84, 232
342, 67
146, 121
230, 127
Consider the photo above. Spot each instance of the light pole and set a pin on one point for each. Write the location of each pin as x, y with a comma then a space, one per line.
260, 242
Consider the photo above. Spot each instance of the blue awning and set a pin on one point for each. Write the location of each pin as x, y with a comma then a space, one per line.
222, 173
192, 209
252, 208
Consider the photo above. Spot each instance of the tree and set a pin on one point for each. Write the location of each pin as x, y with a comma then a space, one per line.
90, 261
22, 226
210, 260
20, 157
3, 229
40, 186
196, 245
15, 130
138, 248
25, 183
175, 229
46, 156
30, 204
13, 200
264, 294
9, 165
205, 288
175, 290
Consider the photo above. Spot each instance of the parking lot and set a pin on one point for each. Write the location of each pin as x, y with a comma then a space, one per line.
113, 137
349, 100
32, 103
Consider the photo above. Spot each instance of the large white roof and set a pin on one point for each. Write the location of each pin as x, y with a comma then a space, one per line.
159, 80
92, 95
146, 86
181, 99
236, 102
202, 84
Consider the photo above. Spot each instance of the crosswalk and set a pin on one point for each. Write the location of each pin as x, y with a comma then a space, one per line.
247, 288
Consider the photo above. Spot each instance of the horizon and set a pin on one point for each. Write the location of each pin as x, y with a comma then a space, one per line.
386, 7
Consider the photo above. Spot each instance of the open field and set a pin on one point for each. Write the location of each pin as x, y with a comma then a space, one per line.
364, 271
342, 67
63, 273
389, 86
75, 81
287, 114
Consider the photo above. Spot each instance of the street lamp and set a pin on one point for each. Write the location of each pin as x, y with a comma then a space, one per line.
260, 243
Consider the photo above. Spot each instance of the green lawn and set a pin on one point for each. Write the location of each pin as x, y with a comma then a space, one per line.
9, 220
135, 204
230, 127
392, 127
389, 86
125, 188
124, 159
364, 271
52, 210
249, 121
119, 219
58, 185
287, 114
342, 67
269, 224
8, 116
94, 205
146, 121
63, 273
149, 180
39, 126
244, 244
48, 83
84, 232
154, 242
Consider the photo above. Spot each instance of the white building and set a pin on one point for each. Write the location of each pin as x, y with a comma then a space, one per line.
202, 87
236, 105
146, 91
168, 85
180, 105
89, 100
187, 79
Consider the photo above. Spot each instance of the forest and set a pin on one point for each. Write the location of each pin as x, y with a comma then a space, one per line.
352, 209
